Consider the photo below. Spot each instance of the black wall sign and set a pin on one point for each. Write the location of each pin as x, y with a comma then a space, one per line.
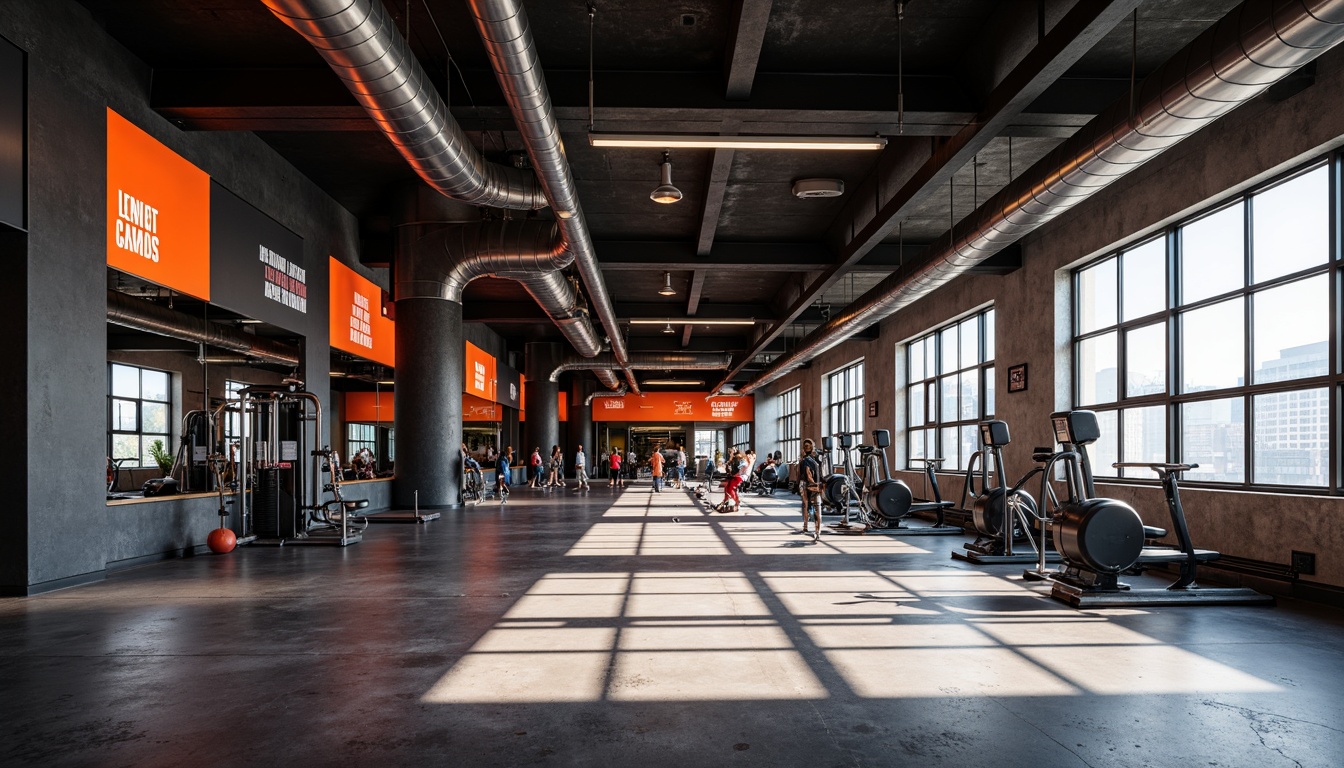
508, 385
257, 267
13, 136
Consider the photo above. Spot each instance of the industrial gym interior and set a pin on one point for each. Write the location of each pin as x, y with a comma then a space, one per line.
709, 382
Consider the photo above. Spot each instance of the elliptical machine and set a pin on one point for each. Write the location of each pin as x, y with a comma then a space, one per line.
842, 489
1102, 538
1002, 515
889, 500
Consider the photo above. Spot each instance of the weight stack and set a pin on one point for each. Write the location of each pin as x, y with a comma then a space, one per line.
266, 503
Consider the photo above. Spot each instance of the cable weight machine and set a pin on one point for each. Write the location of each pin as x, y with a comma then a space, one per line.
281, 430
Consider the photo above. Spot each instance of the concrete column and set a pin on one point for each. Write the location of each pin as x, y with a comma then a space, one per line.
580, 430
430, 362
542, 427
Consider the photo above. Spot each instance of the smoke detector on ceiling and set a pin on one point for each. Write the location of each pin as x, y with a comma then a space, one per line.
809, 188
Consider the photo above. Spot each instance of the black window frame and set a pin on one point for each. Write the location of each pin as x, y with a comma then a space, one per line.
931, 418
844, 414
146, 461
1172, 399
789, 424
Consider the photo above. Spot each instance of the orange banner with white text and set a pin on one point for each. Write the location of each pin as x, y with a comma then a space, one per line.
358, 325
158, 211
480, 373
673, 407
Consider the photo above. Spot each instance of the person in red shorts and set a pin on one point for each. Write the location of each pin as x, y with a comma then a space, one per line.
735, 465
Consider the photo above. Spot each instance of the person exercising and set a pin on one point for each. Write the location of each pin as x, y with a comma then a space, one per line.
809, 488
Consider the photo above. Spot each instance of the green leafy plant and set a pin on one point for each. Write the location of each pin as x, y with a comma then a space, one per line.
161, 457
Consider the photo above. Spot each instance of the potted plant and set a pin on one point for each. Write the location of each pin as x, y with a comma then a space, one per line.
161, 457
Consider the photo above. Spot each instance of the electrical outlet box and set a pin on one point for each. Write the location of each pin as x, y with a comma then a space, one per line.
1303, 563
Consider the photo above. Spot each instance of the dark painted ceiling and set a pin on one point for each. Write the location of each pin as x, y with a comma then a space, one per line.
811, 67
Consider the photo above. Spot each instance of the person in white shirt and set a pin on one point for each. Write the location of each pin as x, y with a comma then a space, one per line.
581, 469
681, 465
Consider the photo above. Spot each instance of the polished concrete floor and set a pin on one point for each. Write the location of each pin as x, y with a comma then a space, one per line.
628, 628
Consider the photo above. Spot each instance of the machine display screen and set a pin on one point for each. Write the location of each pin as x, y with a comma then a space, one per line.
1062, 429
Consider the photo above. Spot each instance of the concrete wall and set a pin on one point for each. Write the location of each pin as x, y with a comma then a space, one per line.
75, 71
1032, 306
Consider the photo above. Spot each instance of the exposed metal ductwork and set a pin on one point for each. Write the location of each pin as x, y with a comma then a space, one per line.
360, 42
645, 361
142, 315
617, 392
441, 264
508, 40
1257, 44
609, 379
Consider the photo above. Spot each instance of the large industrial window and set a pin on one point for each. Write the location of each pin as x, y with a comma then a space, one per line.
842, 405
359, 436
950, 389
233, 420
140, 411
789, 423
742, 437
1210, 343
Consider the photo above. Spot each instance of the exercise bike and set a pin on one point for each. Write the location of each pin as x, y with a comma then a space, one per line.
1002, 515
833, 482
890, 501
1100, 539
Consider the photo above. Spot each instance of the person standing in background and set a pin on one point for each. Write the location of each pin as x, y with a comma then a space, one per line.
534, 469
809, 487
614, 464
656, 464
502, 475
552, 468
631, 465
681, 465
581, 470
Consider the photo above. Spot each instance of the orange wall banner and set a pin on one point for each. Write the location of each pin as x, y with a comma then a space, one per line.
478, 409
369, 407
674, 407
158, 211
480, 373
377, 407
358, 325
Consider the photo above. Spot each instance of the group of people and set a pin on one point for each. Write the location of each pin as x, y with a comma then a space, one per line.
665, 465
550, 472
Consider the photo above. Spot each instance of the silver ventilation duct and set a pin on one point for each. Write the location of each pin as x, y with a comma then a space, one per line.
617, 392
646, 361
130, 312
609, 379
1257, 44
441, 264
360, 42
508, 40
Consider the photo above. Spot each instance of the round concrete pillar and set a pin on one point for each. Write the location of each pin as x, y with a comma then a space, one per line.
542, 428
430, 364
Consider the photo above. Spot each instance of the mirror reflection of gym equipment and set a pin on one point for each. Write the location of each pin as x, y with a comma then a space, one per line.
281, 430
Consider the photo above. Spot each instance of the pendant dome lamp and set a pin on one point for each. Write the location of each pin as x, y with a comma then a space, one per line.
666, 193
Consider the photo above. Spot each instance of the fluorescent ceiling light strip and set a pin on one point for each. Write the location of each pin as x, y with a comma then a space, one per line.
690, 321
691, 141
689, 382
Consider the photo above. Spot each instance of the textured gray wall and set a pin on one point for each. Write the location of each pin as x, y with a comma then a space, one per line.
76, 72
1032, 305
